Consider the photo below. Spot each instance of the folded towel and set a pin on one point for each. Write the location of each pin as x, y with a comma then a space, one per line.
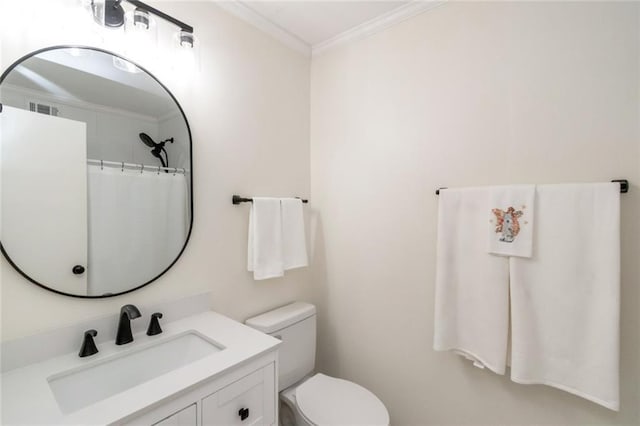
566, 298
511, 223
265, 239
294, 245
472, 287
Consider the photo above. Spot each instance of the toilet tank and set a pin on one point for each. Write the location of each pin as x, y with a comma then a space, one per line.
295, 325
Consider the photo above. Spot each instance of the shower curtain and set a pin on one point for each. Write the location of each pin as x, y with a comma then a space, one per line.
138, 223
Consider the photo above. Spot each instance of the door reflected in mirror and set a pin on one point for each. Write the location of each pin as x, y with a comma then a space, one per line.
96, 172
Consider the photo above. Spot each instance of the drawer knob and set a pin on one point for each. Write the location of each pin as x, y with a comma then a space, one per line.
243, 413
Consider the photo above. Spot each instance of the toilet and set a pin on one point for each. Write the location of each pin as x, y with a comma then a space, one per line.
313, 399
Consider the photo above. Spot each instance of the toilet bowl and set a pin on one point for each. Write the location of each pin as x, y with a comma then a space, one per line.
324, 400
318, 399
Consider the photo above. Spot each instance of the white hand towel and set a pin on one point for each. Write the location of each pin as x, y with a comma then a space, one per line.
511, 223
566, 298
472, 287
265, 239
294, 244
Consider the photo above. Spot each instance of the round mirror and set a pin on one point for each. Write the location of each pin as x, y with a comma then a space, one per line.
96, 172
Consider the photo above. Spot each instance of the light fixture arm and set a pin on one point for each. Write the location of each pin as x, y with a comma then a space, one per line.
160, 14
116, 19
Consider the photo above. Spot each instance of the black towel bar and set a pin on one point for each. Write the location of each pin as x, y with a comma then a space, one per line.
236, 199
624, 186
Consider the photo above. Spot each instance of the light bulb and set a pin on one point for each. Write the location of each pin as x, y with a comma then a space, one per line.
186, 52
141, 37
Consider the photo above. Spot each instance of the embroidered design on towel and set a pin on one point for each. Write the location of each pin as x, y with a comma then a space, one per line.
507, 223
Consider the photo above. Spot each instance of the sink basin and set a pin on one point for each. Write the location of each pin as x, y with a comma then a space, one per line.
80, 387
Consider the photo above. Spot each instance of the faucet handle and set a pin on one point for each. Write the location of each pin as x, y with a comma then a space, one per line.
154, 324
88, 347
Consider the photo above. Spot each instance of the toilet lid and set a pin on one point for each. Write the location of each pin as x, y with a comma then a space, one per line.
325, 400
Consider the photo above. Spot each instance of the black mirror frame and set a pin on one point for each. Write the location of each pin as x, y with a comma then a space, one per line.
2, 249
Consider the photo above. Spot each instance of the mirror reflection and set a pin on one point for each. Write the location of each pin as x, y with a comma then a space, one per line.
96, 172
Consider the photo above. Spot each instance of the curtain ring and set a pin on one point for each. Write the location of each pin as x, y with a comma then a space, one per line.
122, 170
101, 165
175, 170
141, 168
158, 170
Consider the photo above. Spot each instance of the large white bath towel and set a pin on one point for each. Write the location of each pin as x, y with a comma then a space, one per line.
472, 294
566, 298
511, 228
264, 251
294, 243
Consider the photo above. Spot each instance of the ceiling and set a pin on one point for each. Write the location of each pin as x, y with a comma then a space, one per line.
93, 75
312, 26
315, 22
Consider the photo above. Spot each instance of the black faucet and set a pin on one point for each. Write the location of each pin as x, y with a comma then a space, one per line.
127, 313
88, 347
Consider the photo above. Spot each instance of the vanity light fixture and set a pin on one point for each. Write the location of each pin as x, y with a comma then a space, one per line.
140, 27
139, 22
186, 39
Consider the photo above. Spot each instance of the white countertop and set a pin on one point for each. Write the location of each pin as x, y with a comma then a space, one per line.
28, 399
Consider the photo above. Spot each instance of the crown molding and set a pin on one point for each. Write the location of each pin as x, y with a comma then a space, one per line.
373, 26
249, 15
377, 24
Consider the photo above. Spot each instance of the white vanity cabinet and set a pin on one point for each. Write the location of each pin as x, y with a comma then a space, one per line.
203, 369
249, 401
245, 396
184, 417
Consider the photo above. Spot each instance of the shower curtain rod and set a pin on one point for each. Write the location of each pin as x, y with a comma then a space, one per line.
624, 186
141, 167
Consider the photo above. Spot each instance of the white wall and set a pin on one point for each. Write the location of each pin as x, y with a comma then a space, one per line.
465, 94
248, 108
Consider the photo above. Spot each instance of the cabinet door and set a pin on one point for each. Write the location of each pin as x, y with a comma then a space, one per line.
184, 417
249, 401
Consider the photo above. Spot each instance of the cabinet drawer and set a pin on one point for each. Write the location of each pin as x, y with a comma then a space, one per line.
184, 417
248, 401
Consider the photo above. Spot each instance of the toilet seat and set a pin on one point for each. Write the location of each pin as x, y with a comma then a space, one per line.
325, 400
